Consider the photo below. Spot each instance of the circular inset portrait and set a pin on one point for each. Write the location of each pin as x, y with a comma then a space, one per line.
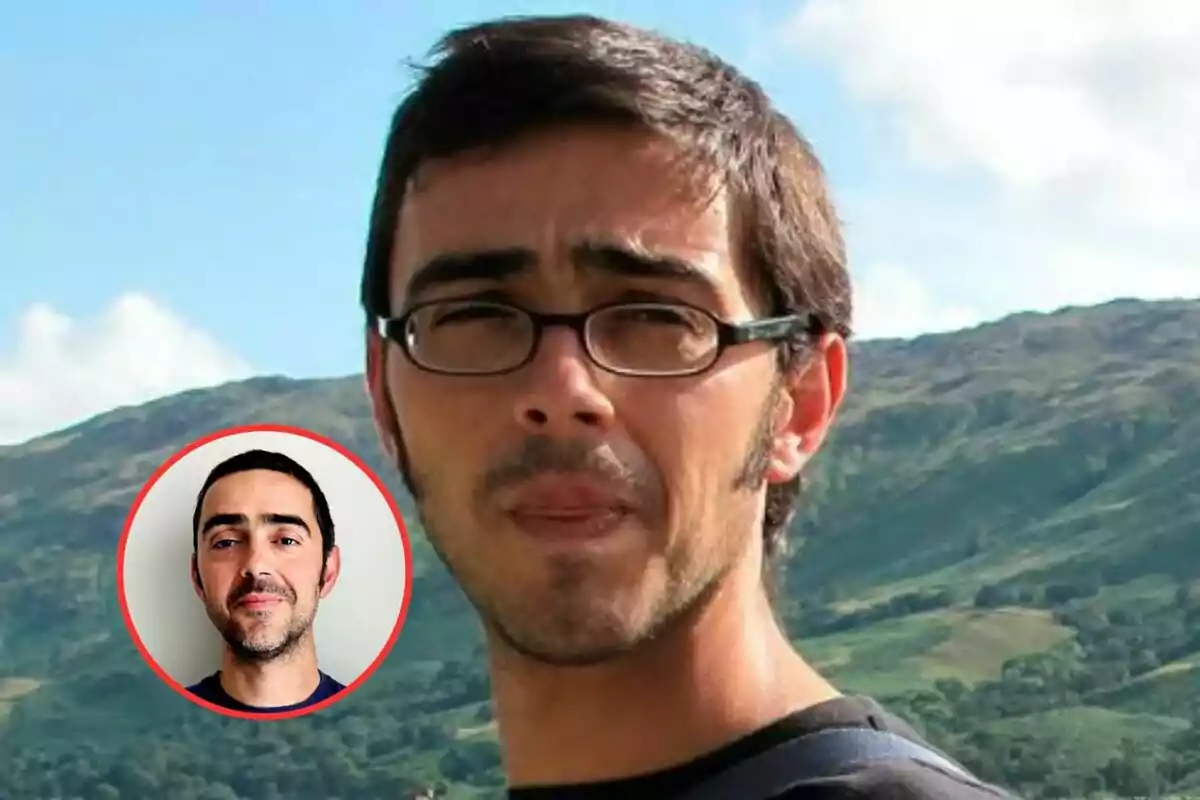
264, 572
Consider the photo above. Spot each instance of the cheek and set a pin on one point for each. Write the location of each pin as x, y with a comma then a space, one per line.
673, 429
447, 425
303, 571
215, 581
700, 436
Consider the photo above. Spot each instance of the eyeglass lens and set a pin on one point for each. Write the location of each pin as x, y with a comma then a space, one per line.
479, 337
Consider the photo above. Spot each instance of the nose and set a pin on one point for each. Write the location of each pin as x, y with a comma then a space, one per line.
258, 558
560, 395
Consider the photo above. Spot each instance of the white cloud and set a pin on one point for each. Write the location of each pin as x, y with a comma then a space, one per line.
63, 370
1082, 274
891, 301
1081, 118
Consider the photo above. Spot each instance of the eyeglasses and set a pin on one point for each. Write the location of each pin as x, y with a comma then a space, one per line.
645, 339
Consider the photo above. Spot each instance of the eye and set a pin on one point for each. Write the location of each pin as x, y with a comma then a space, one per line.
660, 316
222, 544
470, 312
656, 315
289, 540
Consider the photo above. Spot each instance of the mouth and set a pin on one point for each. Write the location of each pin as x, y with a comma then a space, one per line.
259, 601
569, 508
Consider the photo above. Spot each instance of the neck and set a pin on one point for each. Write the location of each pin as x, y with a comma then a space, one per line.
283, 681
725, 673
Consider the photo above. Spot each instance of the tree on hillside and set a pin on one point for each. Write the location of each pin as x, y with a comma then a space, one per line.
1133, 773
995, 596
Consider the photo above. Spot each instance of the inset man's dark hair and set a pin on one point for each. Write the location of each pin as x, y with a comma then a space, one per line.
275, 462
497, 81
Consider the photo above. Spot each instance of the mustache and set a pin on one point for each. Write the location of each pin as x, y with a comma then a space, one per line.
260, 585
543, 455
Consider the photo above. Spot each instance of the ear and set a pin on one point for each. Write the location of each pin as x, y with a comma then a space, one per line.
333, 568
377, 391
197, 585
811, 398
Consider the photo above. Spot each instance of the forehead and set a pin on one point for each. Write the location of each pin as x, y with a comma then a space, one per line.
551, 191
255, 491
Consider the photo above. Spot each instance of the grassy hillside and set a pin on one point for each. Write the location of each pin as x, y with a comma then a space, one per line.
917, 650
1025, 449
1088, 738
1164, 690
1000, 540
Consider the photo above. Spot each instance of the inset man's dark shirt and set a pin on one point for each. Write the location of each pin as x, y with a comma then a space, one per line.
210, 689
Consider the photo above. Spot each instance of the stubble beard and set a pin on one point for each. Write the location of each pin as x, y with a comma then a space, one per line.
251, 646
691, 579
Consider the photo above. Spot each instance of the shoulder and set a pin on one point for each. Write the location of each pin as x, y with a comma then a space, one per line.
329, 686
206, 685
896, 780
893, 778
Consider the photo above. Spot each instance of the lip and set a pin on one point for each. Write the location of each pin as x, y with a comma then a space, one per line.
578, 526
567, 496
259, 600
569, 508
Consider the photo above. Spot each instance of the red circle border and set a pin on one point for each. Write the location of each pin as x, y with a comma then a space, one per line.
235, 431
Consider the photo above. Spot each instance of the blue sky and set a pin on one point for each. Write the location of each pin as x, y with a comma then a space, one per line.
214, 162
223, 162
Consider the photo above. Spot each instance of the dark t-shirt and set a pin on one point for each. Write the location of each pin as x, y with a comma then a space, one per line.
210, 689
892, 780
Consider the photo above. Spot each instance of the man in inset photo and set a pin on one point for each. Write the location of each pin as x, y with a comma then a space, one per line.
263, 559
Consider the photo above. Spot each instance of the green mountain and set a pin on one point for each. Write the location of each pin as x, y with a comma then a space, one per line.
1000, 540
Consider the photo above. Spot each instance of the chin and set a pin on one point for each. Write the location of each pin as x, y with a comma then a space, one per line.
262, 648
578, 625
598, 643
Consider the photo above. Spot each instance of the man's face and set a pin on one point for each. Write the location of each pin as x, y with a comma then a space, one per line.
583, 511
258, 560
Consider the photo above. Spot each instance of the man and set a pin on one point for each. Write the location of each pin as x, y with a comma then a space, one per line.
263, 558
608, 306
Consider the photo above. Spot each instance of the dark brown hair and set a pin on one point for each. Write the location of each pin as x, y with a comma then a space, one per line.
275, 462
496, 81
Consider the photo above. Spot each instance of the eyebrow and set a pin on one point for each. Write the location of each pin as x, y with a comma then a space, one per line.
222, 520
486, 265
627, 261
614, 259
